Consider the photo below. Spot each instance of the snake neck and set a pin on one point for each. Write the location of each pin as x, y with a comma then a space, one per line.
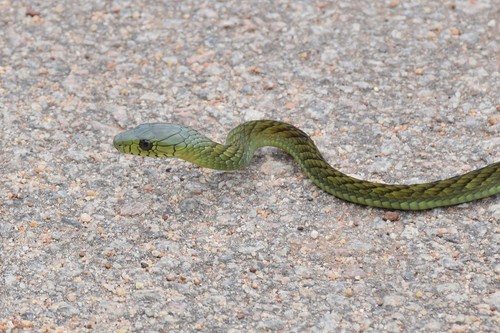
213, 155
206, 153
242, 142
244, 139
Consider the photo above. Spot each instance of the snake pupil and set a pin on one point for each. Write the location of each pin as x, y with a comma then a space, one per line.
145, 144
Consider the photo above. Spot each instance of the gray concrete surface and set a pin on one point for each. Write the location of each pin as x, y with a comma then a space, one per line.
393, 91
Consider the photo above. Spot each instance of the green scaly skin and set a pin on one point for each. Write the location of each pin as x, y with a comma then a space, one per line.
168, 140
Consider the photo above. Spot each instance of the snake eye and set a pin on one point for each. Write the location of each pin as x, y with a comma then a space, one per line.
145, 144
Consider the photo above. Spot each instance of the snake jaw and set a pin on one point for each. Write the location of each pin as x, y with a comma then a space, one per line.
119, 143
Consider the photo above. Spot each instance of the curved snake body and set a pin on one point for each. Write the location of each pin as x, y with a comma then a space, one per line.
169, 140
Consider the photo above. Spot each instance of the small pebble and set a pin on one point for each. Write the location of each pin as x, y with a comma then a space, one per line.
85, 218
120, 291
348, 292
391, 216
314, 234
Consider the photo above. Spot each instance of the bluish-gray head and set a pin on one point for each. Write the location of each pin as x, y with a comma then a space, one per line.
153, 140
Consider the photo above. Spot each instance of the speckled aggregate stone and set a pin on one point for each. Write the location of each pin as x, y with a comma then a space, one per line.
393, 91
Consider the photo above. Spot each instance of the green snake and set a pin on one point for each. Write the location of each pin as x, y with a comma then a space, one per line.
169, 140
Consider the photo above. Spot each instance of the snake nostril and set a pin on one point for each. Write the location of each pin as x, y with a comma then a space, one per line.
145, 144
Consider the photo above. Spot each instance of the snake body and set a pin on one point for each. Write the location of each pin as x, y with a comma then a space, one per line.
169, 140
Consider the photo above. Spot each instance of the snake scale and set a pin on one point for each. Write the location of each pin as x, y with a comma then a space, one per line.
169, 140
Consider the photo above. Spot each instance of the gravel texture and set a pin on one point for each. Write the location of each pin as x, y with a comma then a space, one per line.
393, 91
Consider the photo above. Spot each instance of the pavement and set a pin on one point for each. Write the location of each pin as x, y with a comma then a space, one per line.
390, 91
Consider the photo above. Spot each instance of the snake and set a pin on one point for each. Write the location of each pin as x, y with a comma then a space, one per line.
176, 141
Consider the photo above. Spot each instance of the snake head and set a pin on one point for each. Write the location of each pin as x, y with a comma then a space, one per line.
153, 140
